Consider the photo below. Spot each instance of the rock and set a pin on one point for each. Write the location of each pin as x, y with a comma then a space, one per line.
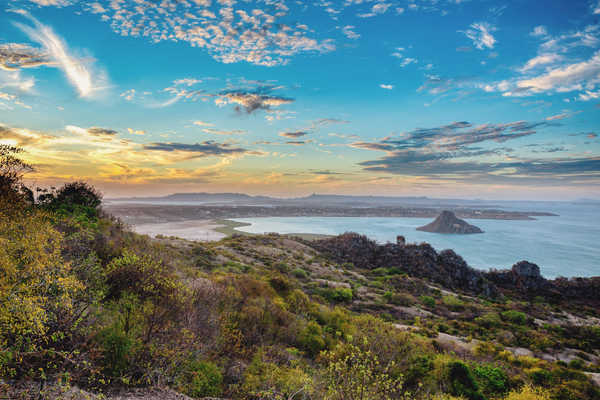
527, 276
447, 222
526, 269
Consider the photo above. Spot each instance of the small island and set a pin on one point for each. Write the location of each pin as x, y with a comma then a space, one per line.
447, 222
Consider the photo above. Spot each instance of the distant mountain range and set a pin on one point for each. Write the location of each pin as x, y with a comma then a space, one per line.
313, 199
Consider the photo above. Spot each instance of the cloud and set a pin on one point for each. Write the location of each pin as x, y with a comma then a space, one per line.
562, 79
539, 31
187, 81
229, 31
294, 134
136, 132
223, 132
387, 87
448, 153
543, 59
560, 67
349, 32
481, 35
56, 3
376, 9
204, 149
128, 95
251, 101
93, 131
77, 72
202, 123
560, 116
296, 142
14, 56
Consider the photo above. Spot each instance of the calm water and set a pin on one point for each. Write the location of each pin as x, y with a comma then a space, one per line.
566, 245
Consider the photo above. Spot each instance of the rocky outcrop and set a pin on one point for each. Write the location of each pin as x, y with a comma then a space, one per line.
452, 272
447, 222
422, 261
525, 278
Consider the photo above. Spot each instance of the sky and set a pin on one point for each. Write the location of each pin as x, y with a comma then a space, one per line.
440, 98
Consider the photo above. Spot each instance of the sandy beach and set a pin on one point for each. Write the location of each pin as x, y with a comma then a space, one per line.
201, 230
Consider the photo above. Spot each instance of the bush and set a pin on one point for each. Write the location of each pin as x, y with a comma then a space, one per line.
453, 303
311, 338
116, 348
336, 295
300, 273
528, 393
493, 380
540, 376
280, 284
428, 301
201, 379
353, 373
402, 299
489, 320
516, 317
462, 382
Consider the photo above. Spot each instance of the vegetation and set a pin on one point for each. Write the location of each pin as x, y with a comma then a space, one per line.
84, 302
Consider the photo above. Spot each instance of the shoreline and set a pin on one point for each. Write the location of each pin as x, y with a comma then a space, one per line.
206, 230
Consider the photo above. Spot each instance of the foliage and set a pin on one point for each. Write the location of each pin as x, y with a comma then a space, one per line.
37, 289
516, 317
200, 379
12, 169
462, 381
267, 380
528, 392
492, 380
428, 301
85, 301
355, 374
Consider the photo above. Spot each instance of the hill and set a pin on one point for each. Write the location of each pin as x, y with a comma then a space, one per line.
447, 222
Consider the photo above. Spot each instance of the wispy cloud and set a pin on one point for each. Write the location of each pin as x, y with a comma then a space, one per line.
448, 150
350, 33
481, 35
77, 71
293, 134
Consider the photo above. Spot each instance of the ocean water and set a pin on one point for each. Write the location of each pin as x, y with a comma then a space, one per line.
566, 245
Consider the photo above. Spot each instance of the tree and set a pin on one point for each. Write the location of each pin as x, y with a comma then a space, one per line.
36, 285
78, 193
12, 169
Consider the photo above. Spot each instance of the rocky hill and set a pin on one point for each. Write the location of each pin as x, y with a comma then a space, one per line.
447, 222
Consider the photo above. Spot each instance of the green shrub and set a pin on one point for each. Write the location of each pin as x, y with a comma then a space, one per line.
577, 363
462, 382
402, 299
516, 317
282, 267
116, 350
489, 320
428, 301
337, 295
280, 284
311, 338
300, 273
201, 379
540, 376
453, 303
493, 380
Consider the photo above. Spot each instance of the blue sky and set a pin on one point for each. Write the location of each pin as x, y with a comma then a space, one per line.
442, 98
